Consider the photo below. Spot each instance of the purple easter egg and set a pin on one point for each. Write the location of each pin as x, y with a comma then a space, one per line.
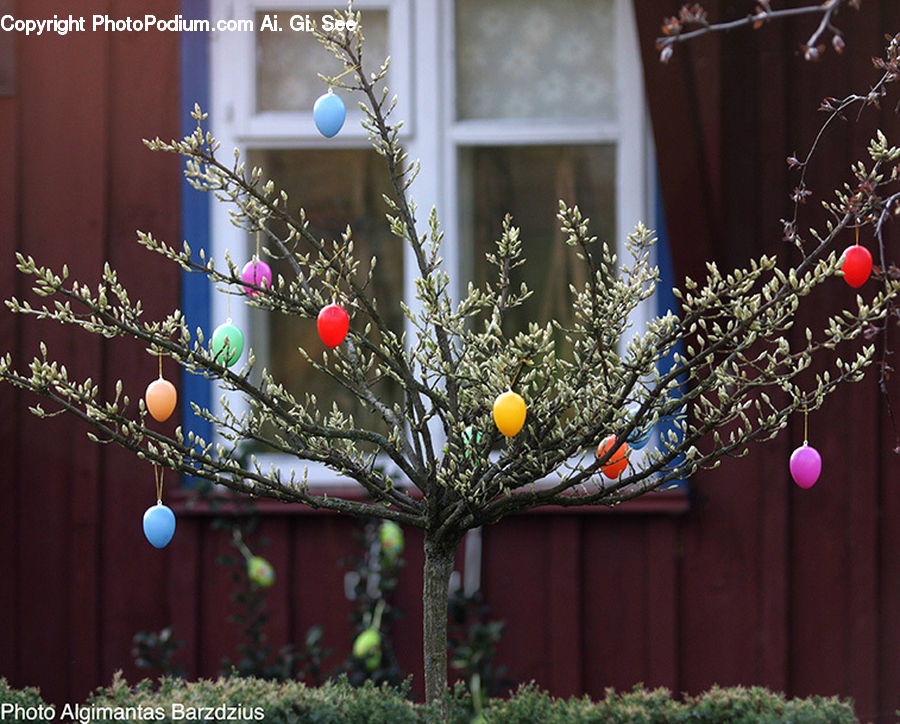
256, 272
806, 465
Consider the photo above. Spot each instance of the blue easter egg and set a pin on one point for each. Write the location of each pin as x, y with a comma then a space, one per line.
640, 437
159, 525
329, 114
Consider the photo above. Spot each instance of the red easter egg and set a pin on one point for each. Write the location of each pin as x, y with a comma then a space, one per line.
618, 461
333, 324
856, 265
161, 399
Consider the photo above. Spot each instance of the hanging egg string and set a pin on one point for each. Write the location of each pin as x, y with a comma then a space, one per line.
329, 111
333, 322
160, 396
159, 520
806, 463
856, 263
509, 407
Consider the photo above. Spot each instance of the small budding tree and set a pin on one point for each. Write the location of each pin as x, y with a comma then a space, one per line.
722, 373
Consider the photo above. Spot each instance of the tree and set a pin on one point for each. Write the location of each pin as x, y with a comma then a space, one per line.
721, 372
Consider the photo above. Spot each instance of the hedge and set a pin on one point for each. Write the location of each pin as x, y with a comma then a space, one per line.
24, 698
250, 700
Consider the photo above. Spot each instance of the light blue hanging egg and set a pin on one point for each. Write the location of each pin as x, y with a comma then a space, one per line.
159, 525
329, 113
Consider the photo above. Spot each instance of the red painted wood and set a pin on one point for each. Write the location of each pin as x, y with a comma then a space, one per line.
275, 546
565, 606
888, 512
720, 581
861, 482
889, 565
318, 581
677, 92
184, 591
834, 620
662, 567
63, 194
769, 470
614, 625
517, 578
143, 194
9, 491
408, 598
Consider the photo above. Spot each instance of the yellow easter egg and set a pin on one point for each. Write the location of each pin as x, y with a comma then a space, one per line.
161, 399
509, 413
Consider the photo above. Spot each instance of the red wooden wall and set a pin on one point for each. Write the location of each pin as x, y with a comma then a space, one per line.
758, 582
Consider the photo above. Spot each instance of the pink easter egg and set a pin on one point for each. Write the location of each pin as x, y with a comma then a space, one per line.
256, 272
806, 465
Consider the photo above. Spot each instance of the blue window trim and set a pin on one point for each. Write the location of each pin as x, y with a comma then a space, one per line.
195, 297
665, 299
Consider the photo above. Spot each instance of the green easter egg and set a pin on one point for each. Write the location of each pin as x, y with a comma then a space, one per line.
471, 436
391, 537
260, 571
227, 335
368, 647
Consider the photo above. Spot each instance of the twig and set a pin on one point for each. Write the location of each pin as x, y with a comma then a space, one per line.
674, 32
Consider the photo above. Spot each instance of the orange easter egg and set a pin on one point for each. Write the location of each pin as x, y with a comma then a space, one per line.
161, 399
618, 461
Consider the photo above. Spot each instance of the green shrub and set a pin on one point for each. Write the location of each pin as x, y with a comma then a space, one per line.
21, 704
760, 706
736, 705
253, 700
337, 702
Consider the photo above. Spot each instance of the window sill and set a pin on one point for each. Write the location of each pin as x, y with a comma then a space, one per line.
183, 502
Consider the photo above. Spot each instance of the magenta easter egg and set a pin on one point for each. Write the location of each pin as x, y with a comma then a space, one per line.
806, 465
258, 273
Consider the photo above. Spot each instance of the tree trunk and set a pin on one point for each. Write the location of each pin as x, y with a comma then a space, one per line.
439, 559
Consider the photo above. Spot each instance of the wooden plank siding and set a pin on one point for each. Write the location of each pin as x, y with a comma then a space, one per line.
759, 582
777, 586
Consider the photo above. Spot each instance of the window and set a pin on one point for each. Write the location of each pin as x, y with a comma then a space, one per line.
509, 105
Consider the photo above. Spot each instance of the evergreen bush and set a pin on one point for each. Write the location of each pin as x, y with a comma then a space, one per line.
338, 702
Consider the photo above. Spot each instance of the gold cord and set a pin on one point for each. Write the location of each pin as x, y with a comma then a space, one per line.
158, 479
349, 70
522, 364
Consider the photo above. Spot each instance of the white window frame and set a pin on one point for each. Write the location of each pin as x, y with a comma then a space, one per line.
422, 75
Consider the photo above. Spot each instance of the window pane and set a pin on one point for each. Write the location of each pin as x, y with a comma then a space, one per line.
535, 59
287, 62
527, 182
336, 188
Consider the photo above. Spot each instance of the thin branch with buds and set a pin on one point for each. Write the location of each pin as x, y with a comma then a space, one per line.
692, 22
